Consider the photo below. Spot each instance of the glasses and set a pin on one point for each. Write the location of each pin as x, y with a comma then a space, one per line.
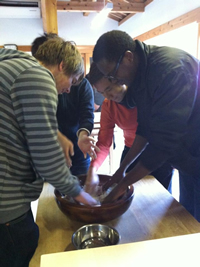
112, 77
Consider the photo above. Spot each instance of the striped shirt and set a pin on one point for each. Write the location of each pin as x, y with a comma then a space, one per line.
29, 151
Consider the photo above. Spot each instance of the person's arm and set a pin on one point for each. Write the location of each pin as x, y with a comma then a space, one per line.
171, 109
86, 119
92, 181
86, 106
87, 144
105, 137
138, 146
98, 100
96, 107
67, 146
137, 173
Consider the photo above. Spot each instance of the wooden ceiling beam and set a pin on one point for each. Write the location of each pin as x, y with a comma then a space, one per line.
121, 7
132, 14
118, 16
126, 18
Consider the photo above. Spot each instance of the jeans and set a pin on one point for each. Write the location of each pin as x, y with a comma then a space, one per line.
163, 174
18, 241
80, 165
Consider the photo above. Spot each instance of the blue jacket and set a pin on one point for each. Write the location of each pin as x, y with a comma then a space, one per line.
75, 111
166, 92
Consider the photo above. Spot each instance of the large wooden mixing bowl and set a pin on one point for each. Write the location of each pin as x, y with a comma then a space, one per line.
95, 214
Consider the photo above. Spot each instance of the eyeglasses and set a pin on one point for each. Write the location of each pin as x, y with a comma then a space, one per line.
112, 77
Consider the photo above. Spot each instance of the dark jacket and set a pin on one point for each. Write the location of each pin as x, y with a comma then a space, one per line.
75, 111
167, 95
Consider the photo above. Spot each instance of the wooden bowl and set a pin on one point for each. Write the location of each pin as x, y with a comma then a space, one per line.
95, 214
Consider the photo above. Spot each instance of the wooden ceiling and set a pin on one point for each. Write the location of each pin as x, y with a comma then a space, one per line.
121, 12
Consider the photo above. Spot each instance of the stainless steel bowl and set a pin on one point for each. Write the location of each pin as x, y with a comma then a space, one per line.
95, 235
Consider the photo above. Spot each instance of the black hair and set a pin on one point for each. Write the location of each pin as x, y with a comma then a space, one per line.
111, 45
40, 40
94, 74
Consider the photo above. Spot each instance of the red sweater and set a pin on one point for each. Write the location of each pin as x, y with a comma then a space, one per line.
111, 114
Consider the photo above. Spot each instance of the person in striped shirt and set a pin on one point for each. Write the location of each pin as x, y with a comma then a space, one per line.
30, 153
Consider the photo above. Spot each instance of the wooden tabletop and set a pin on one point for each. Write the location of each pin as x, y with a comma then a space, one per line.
153, 214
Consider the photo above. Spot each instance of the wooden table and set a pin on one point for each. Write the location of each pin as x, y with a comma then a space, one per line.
153, 214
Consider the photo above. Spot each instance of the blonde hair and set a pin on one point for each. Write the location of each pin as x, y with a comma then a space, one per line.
56, 50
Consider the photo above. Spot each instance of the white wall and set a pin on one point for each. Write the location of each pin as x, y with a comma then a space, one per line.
71, 26
19, 31
184, 38
156, 13
76, 27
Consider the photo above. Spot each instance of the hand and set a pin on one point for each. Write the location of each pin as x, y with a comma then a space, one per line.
86, 145
92, 181
114, 194
115, 179
85, 199
68, 148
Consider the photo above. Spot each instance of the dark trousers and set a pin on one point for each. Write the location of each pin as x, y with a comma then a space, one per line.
162, 174
190, 193
18, 241
80, 165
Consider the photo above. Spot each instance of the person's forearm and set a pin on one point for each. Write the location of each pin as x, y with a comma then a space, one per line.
138, 146
105, 139
60, 137
82, 131
101, 156
137, 173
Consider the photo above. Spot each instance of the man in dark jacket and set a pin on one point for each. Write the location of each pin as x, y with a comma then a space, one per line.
164, 85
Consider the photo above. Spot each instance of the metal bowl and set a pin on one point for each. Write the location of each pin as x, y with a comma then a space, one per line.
95, 235
94, 214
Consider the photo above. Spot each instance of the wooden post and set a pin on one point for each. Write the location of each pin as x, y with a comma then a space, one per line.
49, 16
